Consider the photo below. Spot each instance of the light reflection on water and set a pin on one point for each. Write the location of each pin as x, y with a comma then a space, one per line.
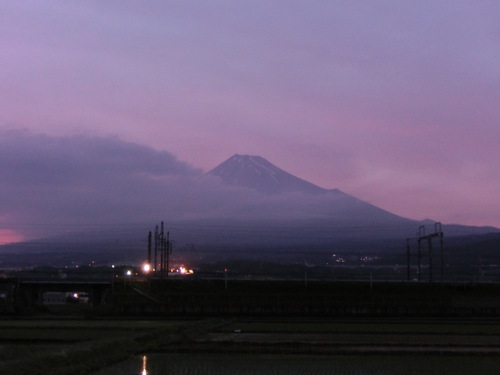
144, 365
241, 364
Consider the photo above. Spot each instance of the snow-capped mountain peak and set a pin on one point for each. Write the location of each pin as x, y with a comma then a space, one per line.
256, 172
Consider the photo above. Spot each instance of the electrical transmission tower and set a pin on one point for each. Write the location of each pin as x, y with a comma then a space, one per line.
162, 246
423, 239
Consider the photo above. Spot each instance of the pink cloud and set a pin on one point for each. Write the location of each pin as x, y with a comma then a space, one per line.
394, 102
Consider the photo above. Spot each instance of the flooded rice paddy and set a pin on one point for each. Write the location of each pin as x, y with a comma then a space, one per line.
261, 364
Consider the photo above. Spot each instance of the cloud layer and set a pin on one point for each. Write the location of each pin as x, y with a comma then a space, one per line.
58, 185
396, 103
53, 184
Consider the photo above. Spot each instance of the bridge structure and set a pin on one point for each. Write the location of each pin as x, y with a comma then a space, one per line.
172, 297
18, 294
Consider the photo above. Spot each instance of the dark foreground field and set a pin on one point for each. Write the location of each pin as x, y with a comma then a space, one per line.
48, 346
231, 318
310, 298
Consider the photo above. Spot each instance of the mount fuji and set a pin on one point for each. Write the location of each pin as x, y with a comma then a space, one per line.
257, 173
313, 209
280, 197
247, 205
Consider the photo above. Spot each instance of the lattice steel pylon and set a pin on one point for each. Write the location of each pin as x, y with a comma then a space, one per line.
162, 247
422, 238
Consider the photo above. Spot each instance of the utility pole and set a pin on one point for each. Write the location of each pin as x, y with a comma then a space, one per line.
225, 278
441, 251
421, 234
408, 259
156, 250
149, 248
162, 251
305, 274
429, 244
168, 250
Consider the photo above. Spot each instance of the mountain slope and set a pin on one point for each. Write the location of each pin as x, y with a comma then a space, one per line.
289, 199
257, 173
313, 208
265, 208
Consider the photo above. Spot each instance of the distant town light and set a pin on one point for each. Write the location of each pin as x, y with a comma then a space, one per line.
183, 270
129, 273
146, 268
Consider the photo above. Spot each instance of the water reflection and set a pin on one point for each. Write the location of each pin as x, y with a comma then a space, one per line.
144, 365
266, 364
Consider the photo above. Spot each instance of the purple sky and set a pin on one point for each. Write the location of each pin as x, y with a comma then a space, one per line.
396, 103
